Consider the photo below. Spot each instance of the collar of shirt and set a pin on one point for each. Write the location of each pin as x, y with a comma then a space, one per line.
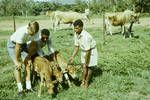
80, 35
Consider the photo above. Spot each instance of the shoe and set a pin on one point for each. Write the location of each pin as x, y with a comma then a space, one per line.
21, 94
29, 90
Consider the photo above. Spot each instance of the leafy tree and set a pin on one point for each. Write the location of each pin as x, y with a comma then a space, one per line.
3, 6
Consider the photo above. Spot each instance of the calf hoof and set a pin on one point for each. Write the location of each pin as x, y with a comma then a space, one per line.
53, 95
51, 91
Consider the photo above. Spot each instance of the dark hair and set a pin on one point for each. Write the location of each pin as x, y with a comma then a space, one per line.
45, 32
78, 22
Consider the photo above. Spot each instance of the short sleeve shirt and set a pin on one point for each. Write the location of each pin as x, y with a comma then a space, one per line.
41, 44
84, 41
21, 35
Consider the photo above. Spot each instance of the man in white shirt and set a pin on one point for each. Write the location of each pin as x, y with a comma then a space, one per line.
89, 54
17, 45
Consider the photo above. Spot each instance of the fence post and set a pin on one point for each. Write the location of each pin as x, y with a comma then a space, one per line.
14, 23
104, 29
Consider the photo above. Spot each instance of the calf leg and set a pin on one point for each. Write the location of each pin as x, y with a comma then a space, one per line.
123, 30
50, 88
130, 30
41, 84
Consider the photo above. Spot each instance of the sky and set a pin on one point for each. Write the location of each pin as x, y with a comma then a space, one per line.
61, 1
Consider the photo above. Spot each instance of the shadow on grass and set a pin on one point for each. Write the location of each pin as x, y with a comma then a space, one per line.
115, 33
97, 71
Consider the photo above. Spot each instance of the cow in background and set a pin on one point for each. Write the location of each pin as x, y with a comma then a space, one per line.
120, 19
50, 14
68, 17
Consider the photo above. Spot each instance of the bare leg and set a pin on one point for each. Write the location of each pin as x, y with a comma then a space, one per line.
28, 82
85, 72
17, 74
28, 73
88, 77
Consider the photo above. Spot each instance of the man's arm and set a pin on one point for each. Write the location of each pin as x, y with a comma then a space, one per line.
18, 54
74, 54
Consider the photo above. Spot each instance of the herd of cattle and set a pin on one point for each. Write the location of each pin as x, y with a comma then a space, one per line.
122, 19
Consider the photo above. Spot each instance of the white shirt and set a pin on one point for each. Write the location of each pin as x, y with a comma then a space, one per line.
84, 41
21, 35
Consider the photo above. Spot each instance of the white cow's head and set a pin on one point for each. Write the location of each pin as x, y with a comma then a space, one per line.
135, 18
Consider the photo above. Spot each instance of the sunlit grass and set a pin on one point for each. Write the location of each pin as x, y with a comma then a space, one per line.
122, 72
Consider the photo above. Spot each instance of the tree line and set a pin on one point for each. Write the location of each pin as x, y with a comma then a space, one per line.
30, 7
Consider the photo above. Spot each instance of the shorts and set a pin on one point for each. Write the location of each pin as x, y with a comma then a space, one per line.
93, 57
12, 52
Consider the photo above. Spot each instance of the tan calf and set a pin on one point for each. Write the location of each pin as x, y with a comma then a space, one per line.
65, 67
44, 68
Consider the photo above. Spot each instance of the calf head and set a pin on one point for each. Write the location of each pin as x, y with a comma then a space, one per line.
58, 74
72, 70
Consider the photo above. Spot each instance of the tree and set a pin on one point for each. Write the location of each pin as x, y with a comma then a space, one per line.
3, 6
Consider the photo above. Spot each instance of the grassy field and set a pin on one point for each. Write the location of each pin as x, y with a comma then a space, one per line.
123, 65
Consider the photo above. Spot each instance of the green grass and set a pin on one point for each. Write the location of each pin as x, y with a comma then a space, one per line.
122, 74
5, 32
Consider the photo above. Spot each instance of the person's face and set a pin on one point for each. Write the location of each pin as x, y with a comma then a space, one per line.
31, 30
78, 29
44, 38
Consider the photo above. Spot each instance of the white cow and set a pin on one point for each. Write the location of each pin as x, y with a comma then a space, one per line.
50, 14
120, 19
68, 17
